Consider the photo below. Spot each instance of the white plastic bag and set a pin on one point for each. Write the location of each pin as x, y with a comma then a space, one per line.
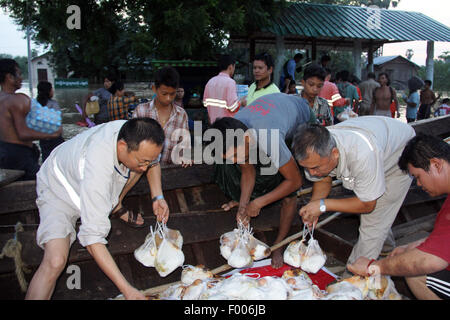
240, 256
314, 258
146, 253
258, 249
192, 273
347, 114
169, 255
292, 254
228, 242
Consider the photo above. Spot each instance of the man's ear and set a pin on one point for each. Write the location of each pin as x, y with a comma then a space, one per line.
122, 145
437, 164
335, 154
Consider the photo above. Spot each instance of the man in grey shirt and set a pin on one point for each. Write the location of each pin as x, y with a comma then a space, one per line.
363, 153
103, 95
259, 167
367, 88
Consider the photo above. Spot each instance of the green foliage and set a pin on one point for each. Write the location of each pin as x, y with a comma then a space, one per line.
124, 35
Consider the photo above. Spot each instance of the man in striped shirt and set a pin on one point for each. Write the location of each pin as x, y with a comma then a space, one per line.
220, 95
424, 263
330, 92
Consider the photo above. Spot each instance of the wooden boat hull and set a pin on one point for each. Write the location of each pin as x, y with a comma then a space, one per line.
194, 203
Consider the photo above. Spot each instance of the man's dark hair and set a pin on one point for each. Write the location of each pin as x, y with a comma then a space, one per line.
421, 149
43, 92
298, 56
371, 75
227, 123
428, 82
325, 58
167, 76
7, 66
387, 77
312, 138
136, 130
225, 60
116, 86
266, 57
314, 70
111, 77
343, 75
445, 100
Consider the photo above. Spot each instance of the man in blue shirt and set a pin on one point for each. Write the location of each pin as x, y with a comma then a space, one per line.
289, 70
258, 169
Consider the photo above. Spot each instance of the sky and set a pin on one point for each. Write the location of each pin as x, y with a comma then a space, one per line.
13, 41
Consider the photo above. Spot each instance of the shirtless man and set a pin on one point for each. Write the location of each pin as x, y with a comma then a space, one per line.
17, 150
383, 97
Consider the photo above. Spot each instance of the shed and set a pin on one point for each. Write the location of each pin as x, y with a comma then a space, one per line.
41, 69
336, 27
398, 68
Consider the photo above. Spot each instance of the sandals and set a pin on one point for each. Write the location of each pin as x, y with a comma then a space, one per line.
132, 217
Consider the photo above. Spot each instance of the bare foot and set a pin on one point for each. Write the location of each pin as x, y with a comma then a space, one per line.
230, 205
277, 259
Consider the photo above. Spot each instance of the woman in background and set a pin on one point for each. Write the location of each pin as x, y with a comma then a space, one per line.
44, 97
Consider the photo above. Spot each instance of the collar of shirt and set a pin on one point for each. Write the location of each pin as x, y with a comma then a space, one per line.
224, 74
175, 111
256, 84
119, 167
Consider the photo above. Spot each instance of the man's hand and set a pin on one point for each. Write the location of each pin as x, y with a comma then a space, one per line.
253, 209
134, 294
161, 210
398, 114
310, 213
359, 267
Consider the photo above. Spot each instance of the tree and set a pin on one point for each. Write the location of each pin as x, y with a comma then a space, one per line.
441, 72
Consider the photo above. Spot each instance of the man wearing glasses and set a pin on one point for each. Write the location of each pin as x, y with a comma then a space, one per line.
87, 177
363, 153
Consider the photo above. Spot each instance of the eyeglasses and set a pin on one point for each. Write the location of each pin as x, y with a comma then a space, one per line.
150, 163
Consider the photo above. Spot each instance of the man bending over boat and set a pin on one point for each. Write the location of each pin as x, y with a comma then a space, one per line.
259, 168
84, 178
424, 263
363, 153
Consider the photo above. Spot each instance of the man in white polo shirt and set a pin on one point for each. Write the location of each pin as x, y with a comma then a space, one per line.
86, 177
363, 153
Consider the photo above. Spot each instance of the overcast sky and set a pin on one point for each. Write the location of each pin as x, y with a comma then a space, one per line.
12, 41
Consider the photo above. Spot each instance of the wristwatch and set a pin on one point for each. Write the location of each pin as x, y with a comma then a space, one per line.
322, 207
160, 197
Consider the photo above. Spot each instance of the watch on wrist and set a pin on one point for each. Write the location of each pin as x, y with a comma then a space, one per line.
322, 206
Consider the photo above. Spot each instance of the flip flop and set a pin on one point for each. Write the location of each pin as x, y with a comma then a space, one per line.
132, 218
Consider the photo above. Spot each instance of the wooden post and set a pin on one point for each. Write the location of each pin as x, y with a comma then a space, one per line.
313, 50
370, 58
357, 51
279, 59
430, 62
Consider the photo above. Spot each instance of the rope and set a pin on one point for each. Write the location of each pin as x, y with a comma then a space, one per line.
13, 249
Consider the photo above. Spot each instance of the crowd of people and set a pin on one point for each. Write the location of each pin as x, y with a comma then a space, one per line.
372, 153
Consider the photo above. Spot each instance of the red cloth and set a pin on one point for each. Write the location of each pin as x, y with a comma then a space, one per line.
330, 92
438, 242
321, 278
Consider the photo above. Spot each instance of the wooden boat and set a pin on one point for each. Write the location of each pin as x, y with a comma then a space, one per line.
194, 202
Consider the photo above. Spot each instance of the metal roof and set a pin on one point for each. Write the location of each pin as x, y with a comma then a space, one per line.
324, 21
378, 61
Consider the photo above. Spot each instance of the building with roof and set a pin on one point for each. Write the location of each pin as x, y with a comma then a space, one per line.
398, 68
334, 27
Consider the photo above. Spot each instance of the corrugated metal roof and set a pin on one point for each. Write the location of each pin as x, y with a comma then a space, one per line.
351, 22
385, 59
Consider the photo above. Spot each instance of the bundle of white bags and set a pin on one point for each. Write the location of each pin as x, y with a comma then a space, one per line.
309, 258
161, 249
240, 248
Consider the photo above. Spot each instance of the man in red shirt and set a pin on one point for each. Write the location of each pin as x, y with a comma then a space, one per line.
425, 263
330, 92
